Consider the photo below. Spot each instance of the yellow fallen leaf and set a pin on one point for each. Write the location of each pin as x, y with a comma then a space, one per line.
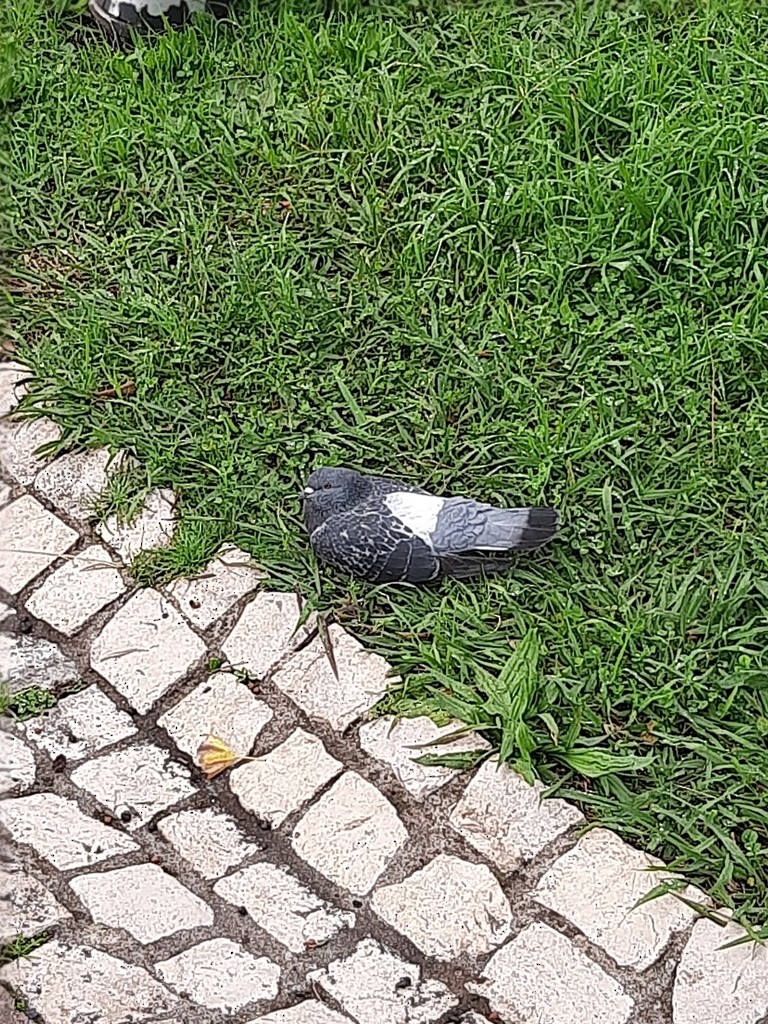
214, 756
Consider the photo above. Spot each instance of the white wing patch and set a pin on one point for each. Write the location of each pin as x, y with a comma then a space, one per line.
418, 512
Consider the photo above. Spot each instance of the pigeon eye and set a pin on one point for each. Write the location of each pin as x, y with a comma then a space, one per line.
326, 487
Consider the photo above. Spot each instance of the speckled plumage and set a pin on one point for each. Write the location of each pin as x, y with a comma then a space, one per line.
383, 530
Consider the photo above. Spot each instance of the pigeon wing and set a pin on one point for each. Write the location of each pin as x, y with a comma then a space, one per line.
369, 542
463, 525
451, 527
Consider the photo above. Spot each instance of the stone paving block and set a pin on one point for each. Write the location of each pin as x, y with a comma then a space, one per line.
67, 984
73, 482
285, 778
282, 906
152, 528
17, 765
596, 886
211, 842
26, 906
145, 649
221, 706
143, 900
26, 661
33, 538
369, 985
79, 726
398, 742
78, 589
229, 576
541, 978
135, 783
506, 819
351, 834
221, 975
311, 1011
267, 630
720, 986
308, 679
11, 388
59, 831
447, 909
8, 1012
19, 441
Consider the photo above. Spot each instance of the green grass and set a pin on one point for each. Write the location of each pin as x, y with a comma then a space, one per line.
20, 947
26, 703
512, 250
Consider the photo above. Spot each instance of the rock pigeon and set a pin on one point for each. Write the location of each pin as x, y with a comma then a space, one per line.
386, 531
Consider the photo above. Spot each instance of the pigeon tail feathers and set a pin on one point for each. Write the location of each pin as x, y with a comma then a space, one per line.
533, 526
513, 529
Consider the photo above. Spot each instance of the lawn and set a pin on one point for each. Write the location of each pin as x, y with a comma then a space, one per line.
511, 250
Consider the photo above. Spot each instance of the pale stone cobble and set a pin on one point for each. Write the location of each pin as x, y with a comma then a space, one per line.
17, 765
79, 726
58, 830
12, 389
350, 834
375, 987
221, 975
285, 778
506, 819
145, 648
399, 743
228, 577
448, 908
9, 1013
19, 444
282, 906
74, 481
268, 629
721, 986
309, 680
597, 886
541, 978
211, 842
28, 661
143, 899
77, 590
33, 538
26, 906
135, 783
311, 1011
66, 984
221, 706
152, 528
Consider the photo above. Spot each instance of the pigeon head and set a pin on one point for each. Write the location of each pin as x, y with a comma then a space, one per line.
331, 490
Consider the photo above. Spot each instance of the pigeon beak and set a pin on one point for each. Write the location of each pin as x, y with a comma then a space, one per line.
306, 492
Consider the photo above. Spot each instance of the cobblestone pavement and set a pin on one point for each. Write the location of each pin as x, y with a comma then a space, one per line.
333, 880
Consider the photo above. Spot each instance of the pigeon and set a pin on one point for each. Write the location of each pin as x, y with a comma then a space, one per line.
386, 531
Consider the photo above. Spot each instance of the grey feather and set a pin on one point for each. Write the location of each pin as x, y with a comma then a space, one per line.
352, 526
466, 525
